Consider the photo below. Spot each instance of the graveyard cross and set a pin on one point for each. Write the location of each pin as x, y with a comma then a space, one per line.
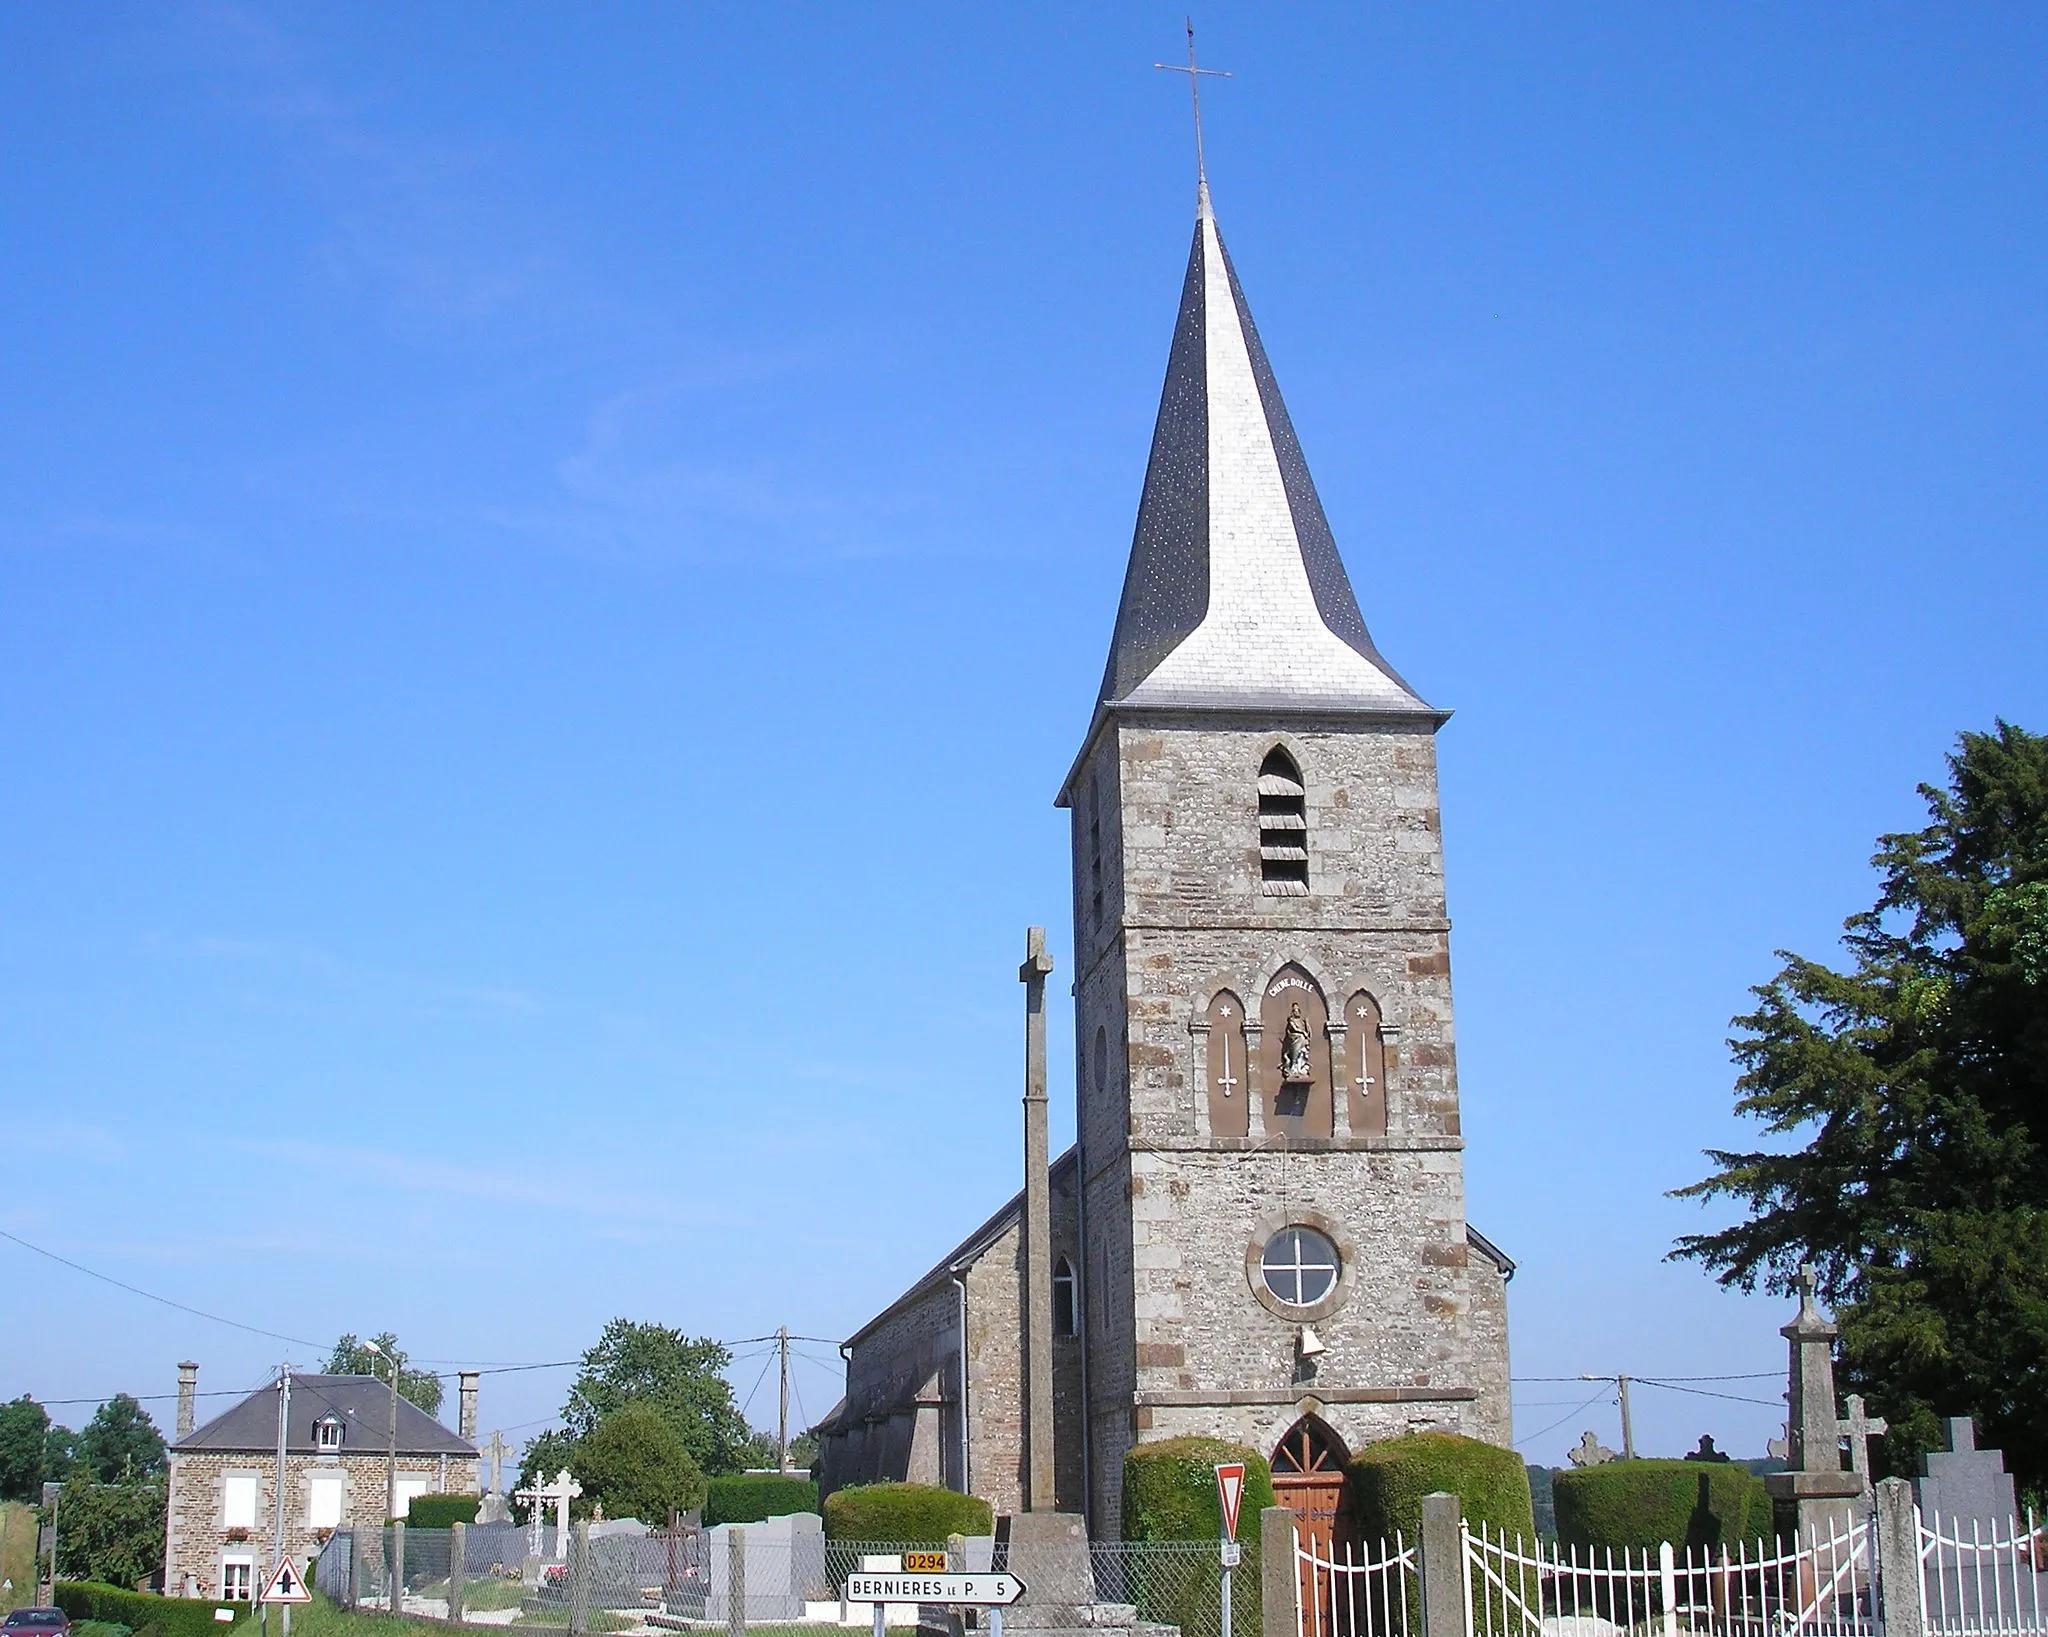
1859, 1429
497, 1450
1589, 1452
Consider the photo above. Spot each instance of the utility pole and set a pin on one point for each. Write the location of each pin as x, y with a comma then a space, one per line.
391, 1436
1628, 1433
782, 1417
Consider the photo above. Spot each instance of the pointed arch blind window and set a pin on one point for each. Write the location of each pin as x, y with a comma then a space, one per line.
1283, 827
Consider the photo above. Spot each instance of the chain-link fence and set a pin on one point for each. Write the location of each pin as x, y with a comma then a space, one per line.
783, 1573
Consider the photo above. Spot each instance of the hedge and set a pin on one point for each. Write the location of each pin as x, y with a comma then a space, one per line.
914, 1514
441, 1511
1385, 1483
1637, 1504
1170, 1490
1170, 1494
172, 1616
752, 1497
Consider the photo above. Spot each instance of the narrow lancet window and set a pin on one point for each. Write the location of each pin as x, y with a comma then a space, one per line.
1064, 1306
1283, 827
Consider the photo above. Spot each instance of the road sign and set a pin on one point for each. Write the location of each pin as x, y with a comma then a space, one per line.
1230, 1485
979, 1590
286, 1586
1233, 1554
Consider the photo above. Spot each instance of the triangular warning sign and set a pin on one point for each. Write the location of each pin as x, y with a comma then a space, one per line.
1230, 1486
287, 1586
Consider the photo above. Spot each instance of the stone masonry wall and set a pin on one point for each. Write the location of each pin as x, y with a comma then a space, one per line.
197, 1533
1187, 1339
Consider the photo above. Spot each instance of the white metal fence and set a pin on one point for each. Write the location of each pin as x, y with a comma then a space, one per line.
1374, 1590
1980, 1581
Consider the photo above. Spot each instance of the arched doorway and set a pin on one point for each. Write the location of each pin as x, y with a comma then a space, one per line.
1308, 1477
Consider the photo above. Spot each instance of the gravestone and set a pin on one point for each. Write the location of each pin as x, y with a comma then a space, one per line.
785, 1564
1964, 1484
1589, 1451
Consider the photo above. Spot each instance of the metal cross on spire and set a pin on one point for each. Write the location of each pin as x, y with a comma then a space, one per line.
1194, 73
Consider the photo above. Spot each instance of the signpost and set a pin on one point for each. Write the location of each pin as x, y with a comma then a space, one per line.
1230, 1491
880, 1586
287, 1587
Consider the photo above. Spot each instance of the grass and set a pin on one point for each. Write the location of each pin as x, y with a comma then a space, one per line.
17, 1554
324, 1618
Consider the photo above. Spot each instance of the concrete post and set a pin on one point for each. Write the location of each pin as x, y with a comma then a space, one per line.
736, 1583
1898, 1560
1279, 1577
579, 1579
1445, 1586
395, 1593
458, 1548
1040, 1471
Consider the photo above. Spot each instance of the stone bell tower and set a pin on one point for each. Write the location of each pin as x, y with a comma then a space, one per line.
1273, 1232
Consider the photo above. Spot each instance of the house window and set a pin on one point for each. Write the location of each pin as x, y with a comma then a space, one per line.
1299, 1266
1064, 1307
323, 1501
235, 1575
238, 1501
1283, 827
327, 1434
407, 1488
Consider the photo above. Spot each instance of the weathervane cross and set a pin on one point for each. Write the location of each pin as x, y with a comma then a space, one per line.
1194, 73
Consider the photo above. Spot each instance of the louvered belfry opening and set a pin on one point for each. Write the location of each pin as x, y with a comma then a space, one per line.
1283, 826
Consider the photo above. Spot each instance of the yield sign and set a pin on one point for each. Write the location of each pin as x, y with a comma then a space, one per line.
1230, 1486
286, 1586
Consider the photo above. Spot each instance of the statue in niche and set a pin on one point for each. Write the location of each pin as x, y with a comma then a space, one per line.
1294, 1043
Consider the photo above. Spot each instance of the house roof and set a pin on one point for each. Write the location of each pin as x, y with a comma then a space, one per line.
361, 1403
1235, 597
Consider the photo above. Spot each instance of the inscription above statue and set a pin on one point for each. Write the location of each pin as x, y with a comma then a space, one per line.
1294, 1042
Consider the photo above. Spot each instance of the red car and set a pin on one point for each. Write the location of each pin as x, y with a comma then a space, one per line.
37, 1623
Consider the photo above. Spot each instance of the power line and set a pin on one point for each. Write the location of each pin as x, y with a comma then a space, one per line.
1530, 1438
1701, 1392
150, 1295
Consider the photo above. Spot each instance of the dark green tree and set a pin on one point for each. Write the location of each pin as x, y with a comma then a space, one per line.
653, 1365
24, 1425
120, 1444
635, 1465
60, 1454
1915, 1087
354, 1358
112, 1533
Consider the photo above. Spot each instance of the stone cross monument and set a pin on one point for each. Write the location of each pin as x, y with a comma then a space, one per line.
1038, 1412
1822, 1495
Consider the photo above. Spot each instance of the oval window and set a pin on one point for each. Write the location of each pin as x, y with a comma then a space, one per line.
1300, 1266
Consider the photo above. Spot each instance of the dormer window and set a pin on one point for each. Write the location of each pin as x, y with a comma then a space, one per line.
1283, 827
327, 1433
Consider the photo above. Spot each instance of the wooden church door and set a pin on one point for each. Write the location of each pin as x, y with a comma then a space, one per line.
1308, 1479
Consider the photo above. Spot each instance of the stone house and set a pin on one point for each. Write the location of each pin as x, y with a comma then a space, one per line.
338, 1436
1260, 1233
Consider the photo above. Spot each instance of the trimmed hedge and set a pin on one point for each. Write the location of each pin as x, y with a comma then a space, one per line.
913, 1514
172, 1616
1385, 1483
1640, 1503
441, 1511
1170, 1490
1170, 1494
752, 1497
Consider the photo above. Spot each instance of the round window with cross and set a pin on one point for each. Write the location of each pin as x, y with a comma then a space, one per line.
1300, 1266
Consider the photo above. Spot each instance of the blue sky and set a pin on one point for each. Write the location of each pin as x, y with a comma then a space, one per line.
552, 561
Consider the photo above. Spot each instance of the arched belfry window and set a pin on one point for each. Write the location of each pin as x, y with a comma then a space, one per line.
1283, 826
1064, 1307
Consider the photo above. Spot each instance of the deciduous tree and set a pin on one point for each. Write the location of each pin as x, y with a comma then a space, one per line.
634, 1464
668, 1371
355, 1358
120, 1444
24, 1425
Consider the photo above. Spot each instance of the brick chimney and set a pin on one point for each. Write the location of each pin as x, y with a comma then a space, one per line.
188, 1393
467, 1424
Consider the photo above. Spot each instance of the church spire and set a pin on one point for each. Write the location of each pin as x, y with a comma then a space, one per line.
1235, 597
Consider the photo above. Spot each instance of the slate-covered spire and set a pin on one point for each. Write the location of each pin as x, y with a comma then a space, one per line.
1235, 597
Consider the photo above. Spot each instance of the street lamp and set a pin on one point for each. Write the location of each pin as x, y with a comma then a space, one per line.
391, 1442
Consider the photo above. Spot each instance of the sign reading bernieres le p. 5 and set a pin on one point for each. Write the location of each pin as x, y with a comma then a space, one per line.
984, 1590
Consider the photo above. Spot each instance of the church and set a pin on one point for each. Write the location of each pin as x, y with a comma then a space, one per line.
1259, 1233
